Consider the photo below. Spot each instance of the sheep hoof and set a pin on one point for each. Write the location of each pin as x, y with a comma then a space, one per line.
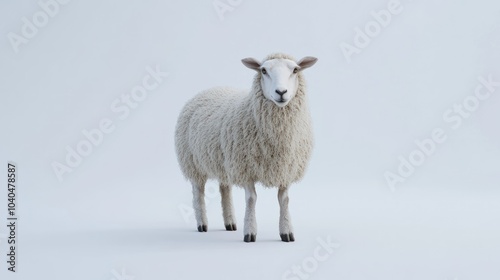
202, 228
287, 237
249, 237
231, 227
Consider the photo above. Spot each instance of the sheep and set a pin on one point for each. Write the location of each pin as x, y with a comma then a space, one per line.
241, 138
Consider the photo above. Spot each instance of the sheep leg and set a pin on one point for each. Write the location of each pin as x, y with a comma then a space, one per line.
200, 211
227, 207
250, 230
286, 230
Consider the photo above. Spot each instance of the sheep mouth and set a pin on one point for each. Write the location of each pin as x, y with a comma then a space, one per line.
280, 102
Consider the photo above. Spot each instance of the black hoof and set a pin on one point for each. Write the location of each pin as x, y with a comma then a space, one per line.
249, 237
202, 228
231, 227
287, 237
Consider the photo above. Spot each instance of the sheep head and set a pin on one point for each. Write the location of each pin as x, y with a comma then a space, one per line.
279, 76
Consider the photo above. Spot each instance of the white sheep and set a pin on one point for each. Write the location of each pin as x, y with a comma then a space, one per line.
241, 138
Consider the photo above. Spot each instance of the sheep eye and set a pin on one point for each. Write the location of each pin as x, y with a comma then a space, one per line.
295, 70
264, 71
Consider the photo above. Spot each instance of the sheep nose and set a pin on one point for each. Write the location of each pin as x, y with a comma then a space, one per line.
281, 92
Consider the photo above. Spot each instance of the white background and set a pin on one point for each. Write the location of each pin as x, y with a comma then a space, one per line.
121, 207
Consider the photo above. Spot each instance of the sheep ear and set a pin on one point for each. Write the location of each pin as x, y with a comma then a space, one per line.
307, 62
251, 63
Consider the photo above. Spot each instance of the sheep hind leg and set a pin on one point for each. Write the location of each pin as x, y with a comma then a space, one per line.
227, 207
250, 230
200, 211
286, 230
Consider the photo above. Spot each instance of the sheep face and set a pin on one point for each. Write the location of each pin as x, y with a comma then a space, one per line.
279, 80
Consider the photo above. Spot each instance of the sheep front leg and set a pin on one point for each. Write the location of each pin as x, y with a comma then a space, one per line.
286, 230
250, 230
200, 211
227, 207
